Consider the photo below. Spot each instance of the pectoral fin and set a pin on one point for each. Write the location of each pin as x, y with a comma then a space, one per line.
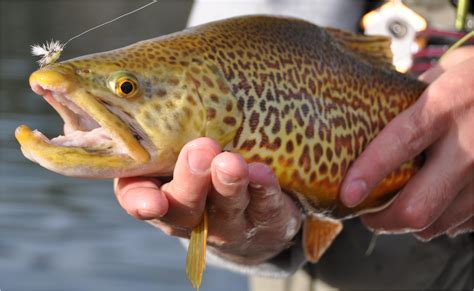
196, 258
318, 234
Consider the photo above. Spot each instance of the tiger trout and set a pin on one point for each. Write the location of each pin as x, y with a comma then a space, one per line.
302, 99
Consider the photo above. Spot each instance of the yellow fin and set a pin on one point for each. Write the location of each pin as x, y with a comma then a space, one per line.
375, 49
196, 258
318, 234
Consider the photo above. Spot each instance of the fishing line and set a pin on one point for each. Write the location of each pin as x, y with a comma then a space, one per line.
459, 43
51, 51
110, 21
371, 246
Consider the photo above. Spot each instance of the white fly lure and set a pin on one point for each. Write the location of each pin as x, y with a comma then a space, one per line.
51, 51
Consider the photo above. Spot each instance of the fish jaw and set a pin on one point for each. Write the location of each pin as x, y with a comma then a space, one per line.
70, 161
96, 144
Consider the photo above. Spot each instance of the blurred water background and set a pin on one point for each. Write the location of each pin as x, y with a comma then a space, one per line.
59, 233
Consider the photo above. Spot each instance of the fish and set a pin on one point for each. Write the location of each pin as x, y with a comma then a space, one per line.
303, 99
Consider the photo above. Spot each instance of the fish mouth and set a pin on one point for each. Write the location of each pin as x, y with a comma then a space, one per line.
96, 142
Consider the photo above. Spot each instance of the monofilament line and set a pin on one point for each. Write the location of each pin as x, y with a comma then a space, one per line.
51, 51
110, 21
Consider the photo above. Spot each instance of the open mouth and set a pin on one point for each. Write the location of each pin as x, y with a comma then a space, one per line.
80, 129
94, 132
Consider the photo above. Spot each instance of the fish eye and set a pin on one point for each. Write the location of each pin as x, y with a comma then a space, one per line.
126, 88
124, 84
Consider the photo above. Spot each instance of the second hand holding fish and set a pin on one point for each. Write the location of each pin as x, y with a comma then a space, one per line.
438, 199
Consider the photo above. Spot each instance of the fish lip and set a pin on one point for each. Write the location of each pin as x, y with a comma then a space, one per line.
70, 161
56, 88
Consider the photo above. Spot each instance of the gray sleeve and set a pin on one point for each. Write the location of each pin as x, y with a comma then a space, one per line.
283, 265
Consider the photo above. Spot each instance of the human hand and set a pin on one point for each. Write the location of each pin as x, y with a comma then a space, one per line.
250, 219
440, 197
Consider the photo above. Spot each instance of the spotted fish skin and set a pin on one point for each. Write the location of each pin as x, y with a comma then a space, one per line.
280, 91
309, 105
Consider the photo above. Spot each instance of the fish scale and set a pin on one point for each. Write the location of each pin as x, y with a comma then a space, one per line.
302, 99
304, 112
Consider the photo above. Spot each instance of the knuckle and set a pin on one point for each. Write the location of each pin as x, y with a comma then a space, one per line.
379, 162
204, 143
235, 211
415, 218
231, 187
268, 218
426, 205
410, 138
230, 213
447, 100
192, 194
173, 188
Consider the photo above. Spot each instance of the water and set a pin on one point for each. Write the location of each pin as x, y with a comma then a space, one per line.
59, 233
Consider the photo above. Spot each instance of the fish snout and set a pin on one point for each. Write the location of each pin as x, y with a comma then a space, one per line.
48, 79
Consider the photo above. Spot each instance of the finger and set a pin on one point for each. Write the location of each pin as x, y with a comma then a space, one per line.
187, 192
427, 195
432, 74
467, 226
459, 211
228, 200
406, 136
141, 197
447, 62
266, 193
457, 56
230, 180
171, 230
269, 207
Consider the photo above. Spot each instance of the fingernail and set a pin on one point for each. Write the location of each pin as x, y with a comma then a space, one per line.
354, 193
226, 178
199, 161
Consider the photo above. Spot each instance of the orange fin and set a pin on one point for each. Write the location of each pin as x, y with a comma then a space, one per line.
318, 234
375, 49
196, 258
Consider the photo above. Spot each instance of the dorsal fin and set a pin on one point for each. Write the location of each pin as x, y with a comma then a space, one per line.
375, 49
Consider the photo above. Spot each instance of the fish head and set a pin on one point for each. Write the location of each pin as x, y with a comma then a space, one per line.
125, 114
